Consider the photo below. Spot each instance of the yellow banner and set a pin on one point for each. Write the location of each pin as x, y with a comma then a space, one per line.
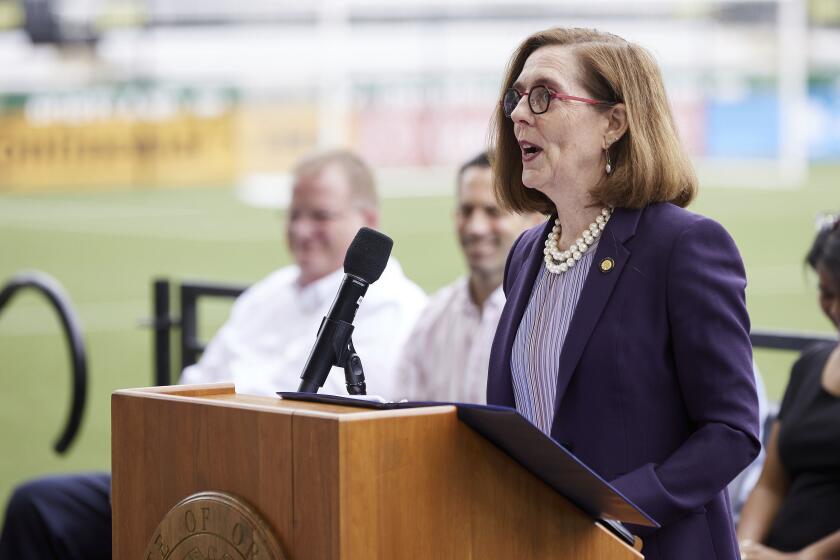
273, 136
141, 137
96, 140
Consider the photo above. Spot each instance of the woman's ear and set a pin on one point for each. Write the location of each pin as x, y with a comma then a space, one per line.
616, 124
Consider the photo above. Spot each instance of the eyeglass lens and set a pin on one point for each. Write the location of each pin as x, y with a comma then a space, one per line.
510, 101
538, 99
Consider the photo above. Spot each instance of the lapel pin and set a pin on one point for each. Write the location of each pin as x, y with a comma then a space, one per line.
607, 265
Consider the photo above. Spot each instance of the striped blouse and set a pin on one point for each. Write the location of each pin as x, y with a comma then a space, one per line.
535, 359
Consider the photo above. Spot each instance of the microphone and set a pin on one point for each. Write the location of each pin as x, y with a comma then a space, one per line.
364, 263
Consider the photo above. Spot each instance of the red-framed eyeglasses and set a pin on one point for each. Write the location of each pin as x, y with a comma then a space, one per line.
539, 99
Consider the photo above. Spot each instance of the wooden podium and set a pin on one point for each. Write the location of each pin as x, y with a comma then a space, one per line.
333, 482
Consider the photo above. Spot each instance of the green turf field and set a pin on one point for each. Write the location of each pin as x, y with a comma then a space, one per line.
105, 248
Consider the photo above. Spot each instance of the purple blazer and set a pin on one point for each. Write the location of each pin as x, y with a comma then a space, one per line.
655, 390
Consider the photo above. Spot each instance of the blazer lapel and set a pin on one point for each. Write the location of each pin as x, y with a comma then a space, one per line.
596, 292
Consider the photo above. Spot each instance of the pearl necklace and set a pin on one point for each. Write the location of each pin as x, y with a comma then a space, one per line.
558, 261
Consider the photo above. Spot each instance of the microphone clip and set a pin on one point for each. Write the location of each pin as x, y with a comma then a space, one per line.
354, 374
343, 353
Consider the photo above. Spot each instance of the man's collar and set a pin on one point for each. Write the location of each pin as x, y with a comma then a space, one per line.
496, 298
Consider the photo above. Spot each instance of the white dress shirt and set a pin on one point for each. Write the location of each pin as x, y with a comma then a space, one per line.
447, 354
264, 345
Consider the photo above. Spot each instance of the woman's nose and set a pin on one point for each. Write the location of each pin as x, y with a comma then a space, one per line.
522, 111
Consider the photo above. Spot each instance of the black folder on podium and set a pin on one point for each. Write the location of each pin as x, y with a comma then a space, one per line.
526, 444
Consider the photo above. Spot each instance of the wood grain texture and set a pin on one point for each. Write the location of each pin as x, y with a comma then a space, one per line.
205, 389
165, 450
339, 483
433, 488
316, 488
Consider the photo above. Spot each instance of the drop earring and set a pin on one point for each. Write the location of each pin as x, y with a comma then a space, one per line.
608, 168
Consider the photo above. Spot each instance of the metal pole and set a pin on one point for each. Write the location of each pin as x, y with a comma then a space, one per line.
189, 325
162, 325
792, 26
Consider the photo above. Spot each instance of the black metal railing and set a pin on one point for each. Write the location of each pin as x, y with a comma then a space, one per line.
49, 287
787, 340
191, 346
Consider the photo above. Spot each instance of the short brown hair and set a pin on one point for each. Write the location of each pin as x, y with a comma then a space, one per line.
359, 176
649, 162
481, 160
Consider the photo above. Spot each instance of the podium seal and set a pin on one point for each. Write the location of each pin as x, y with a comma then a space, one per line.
213, 526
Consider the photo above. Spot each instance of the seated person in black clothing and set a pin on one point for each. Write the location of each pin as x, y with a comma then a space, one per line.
794, 510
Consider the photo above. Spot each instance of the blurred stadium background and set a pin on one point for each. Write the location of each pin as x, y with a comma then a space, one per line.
151, 138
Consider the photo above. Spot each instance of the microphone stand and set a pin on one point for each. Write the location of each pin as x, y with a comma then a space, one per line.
342, 354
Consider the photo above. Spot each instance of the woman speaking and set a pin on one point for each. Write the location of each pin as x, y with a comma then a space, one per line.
625, 336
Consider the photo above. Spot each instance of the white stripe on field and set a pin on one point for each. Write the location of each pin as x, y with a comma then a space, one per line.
42, 209
32, 319
142, 231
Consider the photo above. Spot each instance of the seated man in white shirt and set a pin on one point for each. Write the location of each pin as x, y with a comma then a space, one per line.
448, 351
262, 348
264, 345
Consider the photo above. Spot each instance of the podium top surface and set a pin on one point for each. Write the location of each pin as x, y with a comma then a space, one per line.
224, 394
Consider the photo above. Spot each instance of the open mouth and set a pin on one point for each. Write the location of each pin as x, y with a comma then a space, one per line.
529, 151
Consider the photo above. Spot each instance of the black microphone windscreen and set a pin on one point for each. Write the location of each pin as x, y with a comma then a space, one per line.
368, 254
